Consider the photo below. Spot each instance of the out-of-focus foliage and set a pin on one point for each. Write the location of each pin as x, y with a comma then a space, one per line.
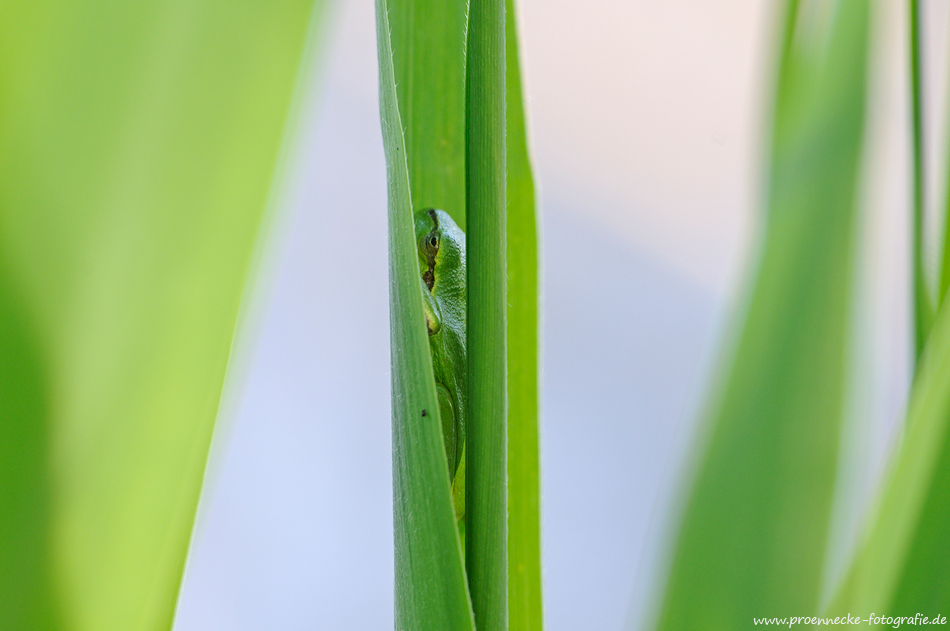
756, 520
138, 142
923, 308
902, 567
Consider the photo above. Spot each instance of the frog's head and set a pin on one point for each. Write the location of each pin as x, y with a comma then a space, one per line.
441, 246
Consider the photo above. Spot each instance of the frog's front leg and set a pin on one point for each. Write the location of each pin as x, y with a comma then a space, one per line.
431, 309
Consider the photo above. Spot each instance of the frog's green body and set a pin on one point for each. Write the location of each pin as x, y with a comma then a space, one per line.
441, 246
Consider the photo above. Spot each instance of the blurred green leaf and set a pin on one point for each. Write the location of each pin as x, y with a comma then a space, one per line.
524, 494
903, 566
922, 307
431, 586
26, 591
138, 142
755, 523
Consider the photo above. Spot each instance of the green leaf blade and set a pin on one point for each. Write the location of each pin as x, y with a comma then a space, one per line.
137, 149
755, 523
901, 567
431, 587
428, 41
486, 493
525, 612
922, 306
27, 600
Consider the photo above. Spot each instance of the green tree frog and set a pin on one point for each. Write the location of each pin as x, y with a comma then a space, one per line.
441, 245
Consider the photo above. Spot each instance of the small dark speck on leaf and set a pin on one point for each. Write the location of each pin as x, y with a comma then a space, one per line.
423, 412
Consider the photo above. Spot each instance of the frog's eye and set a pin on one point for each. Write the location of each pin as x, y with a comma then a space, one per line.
431, 242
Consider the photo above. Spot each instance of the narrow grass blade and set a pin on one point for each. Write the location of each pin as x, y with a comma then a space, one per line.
524, 493
903, 566
756, 519
486, 483
138, 141
923, 310
431, 588
428, 41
